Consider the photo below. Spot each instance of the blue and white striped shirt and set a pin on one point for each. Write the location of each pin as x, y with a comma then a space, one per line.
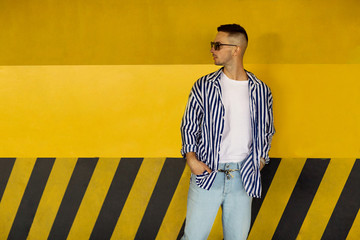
203, 123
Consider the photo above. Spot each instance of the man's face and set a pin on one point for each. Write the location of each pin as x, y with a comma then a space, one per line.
224, 55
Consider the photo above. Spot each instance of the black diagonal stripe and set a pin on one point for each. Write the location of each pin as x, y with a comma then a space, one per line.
115, 199
6, 165
161, 197
301, 198
73, 196
267, 175
346, 208
181, 233
31, 198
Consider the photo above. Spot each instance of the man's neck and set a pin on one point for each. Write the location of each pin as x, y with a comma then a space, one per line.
236, 72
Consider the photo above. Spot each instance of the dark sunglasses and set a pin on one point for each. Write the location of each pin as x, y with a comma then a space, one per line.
217, 45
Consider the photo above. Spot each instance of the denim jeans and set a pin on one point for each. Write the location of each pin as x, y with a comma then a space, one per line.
203, 205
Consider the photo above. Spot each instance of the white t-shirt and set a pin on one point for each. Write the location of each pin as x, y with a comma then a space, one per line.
236, 138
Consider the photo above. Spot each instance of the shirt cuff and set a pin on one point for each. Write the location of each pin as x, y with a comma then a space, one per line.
188, 148
267, 159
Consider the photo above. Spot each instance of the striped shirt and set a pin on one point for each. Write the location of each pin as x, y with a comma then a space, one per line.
203, 123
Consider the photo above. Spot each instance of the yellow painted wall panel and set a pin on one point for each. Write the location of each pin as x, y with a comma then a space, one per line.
135, 110
175, 32
70, 111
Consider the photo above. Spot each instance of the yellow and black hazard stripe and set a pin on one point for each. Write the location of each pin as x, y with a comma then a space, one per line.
145, 198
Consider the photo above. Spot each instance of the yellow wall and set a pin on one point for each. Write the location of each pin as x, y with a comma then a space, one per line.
111, 78
136, 110
43, 32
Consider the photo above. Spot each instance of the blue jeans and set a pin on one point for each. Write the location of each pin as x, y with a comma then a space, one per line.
203, 205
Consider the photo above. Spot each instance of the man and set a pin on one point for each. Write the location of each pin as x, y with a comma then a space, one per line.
226, 133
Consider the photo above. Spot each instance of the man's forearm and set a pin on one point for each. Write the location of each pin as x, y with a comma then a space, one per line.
191, 155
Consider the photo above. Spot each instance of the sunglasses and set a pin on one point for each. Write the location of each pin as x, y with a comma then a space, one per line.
217, 45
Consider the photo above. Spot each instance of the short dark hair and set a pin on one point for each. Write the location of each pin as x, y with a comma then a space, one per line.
233, 29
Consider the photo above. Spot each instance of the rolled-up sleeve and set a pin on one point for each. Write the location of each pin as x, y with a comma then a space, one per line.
190, 125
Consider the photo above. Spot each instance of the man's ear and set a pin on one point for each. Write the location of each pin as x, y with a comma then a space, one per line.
237, 51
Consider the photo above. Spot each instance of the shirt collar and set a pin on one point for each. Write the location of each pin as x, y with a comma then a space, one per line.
216, 76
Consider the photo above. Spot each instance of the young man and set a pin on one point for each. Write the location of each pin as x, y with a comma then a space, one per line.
226, 133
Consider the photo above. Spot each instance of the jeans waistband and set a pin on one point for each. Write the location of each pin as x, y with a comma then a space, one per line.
232, 165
